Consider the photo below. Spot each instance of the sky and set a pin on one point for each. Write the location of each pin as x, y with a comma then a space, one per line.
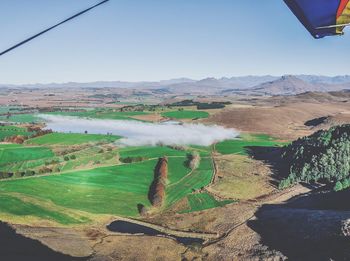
151, 40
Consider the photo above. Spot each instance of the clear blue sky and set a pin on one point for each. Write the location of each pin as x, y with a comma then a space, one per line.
137, 40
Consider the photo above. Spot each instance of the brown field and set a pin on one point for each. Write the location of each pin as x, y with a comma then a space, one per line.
241, 177
283, 121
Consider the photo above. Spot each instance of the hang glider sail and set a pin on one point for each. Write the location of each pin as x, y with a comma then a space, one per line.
322, 17
52, 27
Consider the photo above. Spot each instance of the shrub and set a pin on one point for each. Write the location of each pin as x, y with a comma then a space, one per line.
193, 160
29, 173
108, 157
208, 106
17, 174
132, 159
66, 158
56, 169
73, 157
286, 183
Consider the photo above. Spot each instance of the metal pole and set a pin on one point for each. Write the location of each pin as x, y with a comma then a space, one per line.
52, 27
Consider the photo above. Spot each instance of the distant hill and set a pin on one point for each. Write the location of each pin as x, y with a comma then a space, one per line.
291, 85
286, 85
246, 85
325, 79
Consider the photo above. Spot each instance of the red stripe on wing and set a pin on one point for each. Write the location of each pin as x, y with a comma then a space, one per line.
342, 5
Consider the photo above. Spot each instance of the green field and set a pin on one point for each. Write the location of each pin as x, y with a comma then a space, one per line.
102, 114
74, 178
21, 118
14, 154
150, 152
241, 145
70, 139
19, 158
9, 131
6, 109
203, 201
186, 114
195, 180
115, 190
11, 205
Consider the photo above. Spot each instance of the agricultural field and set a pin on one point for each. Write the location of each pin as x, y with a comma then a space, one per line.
184, 114
70, 139
195, 180
13, 154
10, 131
204, 201
113, 190
102, 114
71, 178
7, 109
150, 152
21, 118
242, 145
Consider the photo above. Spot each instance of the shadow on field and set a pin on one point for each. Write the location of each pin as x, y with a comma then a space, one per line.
272, 157
307, 227
15, 247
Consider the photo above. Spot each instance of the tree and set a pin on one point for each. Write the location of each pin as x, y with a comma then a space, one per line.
338, 186
346, 183
325, 156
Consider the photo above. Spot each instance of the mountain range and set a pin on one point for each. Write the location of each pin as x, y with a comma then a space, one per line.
259, 85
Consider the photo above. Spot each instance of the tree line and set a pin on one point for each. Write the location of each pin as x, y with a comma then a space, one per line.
321, 157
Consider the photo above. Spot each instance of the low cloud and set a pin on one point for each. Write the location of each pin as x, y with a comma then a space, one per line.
136, 133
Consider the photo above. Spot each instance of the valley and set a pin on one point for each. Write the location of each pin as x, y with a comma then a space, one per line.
196, 176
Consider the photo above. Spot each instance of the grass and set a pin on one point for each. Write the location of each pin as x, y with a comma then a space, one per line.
102, 114
242, 178
241, 146
77, 195
10, 145
114, 190
9, 131
109, 190
21, 118
177, 169
70, 139
6, 109
195, 180
11, 205
151, 152
186, 114
203, 201
17, 154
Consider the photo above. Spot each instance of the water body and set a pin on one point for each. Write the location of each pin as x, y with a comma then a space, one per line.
137, 133
126, 227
